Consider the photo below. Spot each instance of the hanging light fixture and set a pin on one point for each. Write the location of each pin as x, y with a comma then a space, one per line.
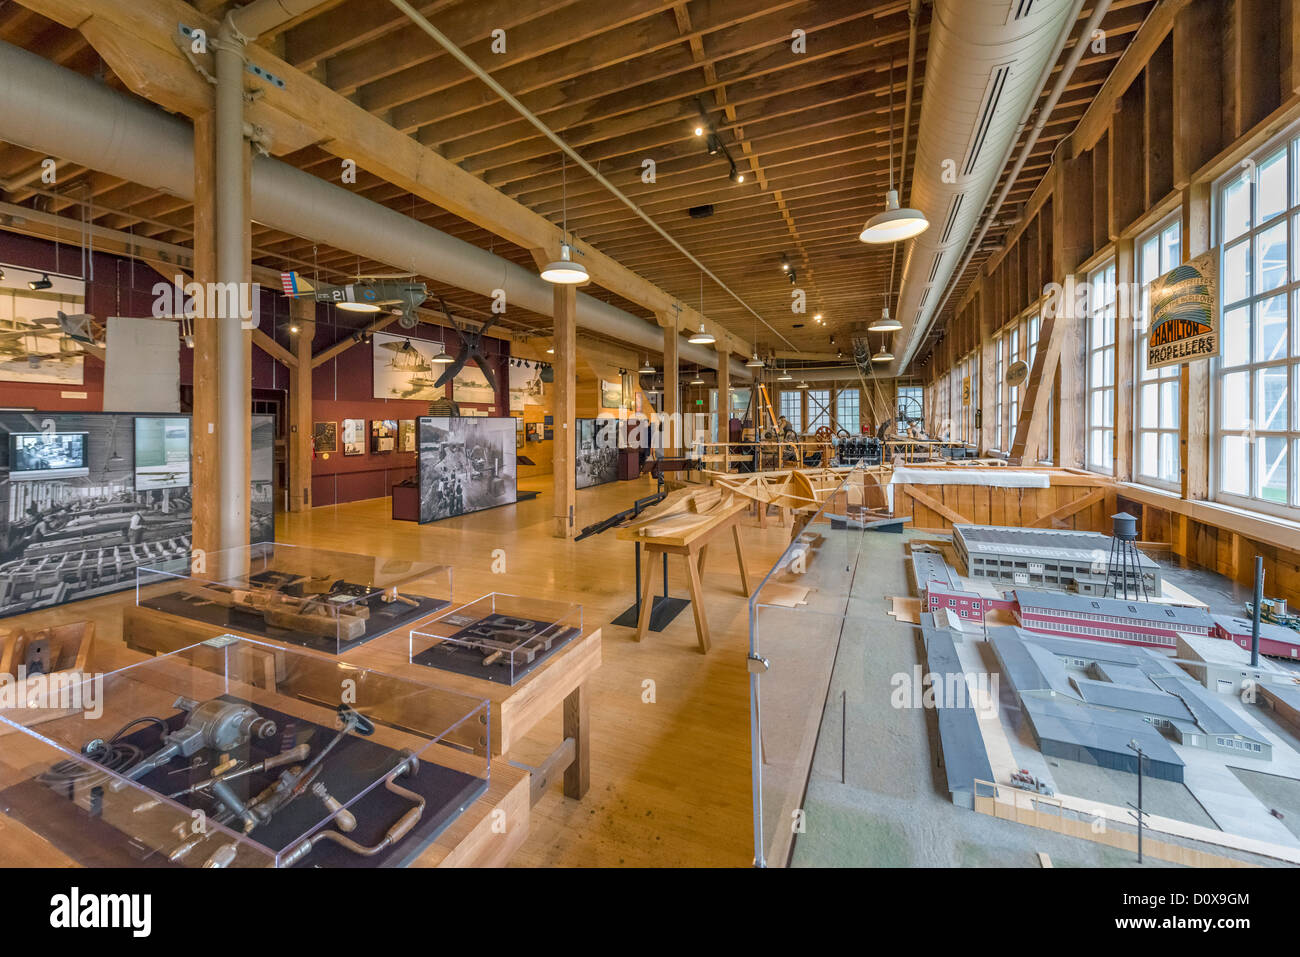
755, 362
703, 337
441, 359
885, 323
894, 223
564, 271
802, 385
647, 368
698, 380
884, 355
785, 376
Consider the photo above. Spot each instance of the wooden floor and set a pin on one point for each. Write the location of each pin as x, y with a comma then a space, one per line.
670, 779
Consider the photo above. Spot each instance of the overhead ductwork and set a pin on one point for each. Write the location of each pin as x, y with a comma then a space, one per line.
986, 63
52, 110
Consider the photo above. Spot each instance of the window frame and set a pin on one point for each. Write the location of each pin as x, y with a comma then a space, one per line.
1164, 383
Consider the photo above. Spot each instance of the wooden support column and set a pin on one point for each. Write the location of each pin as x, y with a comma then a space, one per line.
723, 366
206, 500
303, 312
565, 363
1199, 101
1125, 282
988, 366
1194, 376
672, 393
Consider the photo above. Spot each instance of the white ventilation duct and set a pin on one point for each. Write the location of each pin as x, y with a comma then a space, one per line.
986, 63
54, 111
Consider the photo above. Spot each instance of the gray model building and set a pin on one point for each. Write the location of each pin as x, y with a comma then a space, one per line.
1047, 558
1086, 700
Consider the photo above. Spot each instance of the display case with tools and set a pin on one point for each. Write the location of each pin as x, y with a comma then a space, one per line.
324, 600
498, 637
237, 753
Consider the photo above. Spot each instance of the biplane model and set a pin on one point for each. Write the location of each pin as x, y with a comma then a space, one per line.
394, 294
77, 335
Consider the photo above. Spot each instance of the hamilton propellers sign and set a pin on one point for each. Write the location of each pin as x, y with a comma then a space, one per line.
1184, 305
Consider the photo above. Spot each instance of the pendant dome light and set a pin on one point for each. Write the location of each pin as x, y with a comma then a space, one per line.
884, 355
646, 368
703, 337
754, 362
802, 385
442, 359
785, 376
698, 380
564, 271
885, 323
894, 223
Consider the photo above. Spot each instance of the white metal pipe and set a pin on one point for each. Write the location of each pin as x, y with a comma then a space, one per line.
57, 112
232, 222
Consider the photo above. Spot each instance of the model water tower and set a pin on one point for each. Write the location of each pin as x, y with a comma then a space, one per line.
1125, 569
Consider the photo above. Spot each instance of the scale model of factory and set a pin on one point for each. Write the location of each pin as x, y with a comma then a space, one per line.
1074, 585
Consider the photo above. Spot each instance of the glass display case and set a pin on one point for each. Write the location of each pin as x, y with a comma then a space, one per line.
498, 637
323, 600
236, 753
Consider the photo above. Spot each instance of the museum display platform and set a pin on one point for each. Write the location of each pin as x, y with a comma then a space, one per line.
285, 758
499, 638
324, 600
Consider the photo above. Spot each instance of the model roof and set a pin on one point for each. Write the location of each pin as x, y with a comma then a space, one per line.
1237, 625
1060, 544
1097, 728
1213, 714
1225, 652
930, 566
1149, 700
1150, 611
1029, 667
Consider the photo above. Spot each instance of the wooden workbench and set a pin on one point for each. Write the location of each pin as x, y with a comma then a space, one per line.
692, 544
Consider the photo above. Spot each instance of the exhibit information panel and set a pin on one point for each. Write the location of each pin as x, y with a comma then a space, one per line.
497, 638
467, 463
283, 759
324, 600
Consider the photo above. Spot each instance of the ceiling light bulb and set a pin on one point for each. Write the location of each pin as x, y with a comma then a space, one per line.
564, 271
551, 351
894, 224
699, 131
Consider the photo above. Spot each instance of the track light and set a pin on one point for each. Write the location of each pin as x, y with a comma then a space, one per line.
736, 176
713, 144
565, 271
2, 275
42, 283
793, 277
785, 263
699, 131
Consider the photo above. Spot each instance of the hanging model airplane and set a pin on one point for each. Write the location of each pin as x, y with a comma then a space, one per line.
76, 335
396, 295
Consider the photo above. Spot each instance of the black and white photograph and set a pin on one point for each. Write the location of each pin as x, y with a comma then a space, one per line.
466, 464
162, 452
404, 368
261, 496
596, 455
76, 524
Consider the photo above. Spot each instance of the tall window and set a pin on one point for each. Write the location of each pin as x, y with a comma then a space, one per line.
1257, 377
819, 409
1155, 443
999, 377
848, 410
792, 408
911, 402
1101, 369
1013, 394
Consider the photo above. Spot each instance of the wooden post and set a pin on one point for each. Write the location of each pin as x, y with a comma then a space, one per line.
566, 354
1194, 375
1125, 282
672, 395
206, 500
303, 312
724, 399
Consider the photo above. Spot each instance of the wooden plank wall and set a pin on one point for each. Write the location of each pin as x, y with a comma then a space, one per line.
1074, 500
